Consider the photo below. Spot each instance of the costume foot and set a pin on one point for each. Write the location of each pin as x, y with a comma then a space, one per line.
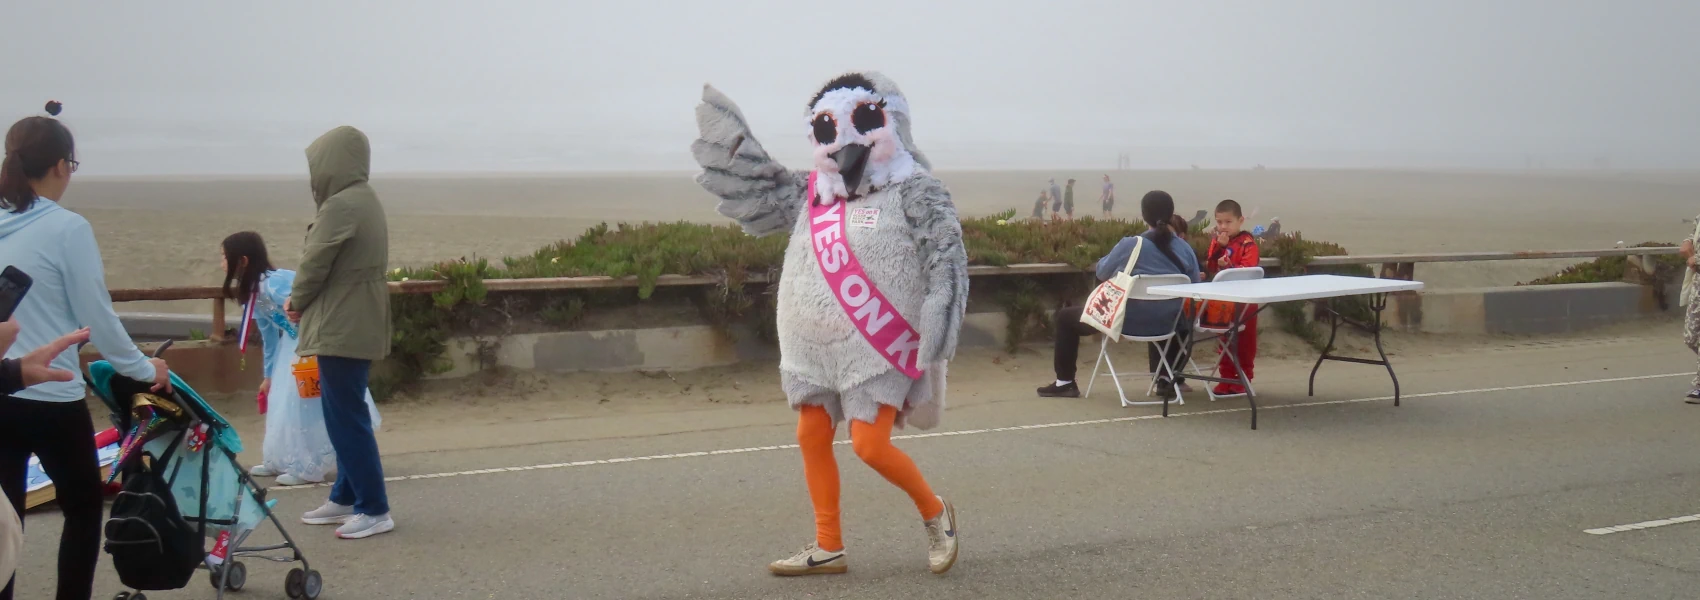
811, 561
262, 471
1693, 396
941, 539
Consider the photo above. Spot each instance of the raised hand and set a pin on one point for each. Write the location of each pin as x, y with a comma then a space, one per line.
755, 190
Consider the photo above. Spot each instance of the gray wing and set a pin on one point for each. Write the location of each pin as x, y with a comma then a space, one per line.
938, 236
755, 190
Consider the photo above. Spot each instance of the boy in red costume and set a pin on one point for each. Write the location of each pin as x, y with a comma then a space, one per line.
1231, 248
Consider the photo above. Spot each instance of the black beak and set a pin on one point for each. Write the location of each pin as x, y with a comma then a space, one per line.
852, 162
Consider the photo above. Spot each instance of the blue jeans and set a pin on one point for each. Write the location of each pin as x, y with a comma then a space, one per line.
359, 472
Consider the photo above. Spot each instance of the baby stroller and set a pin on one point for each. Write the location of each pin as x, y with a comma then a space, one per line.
180, 474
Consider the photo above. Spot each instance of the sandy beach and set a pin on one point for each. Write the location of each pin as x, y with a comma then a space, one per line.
165, 231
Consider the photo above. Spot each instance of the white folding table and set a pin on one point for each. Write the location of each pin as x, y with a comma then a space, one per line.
1264, 292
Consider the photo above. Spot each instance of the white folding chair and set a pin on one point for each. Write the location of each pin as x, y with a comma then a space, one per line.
1137, 293
1221, 333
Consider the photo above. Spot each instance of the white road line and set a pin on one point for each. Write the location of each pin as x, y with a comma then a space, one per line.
1643, 525
611, 461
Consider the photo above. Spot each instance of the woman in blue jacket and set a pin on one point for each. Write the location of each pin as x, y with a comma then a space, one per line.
1165, 253
56, 248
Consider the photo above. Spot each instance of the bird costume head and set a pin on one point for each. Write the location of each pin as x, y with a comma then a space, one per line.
859, 125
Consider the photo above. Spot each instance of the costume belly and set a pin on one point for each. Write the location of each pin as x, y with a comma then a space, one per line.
818, 343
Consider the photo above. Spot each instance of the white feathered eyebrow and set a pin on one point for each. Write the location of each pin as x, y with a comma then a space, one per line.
842, 101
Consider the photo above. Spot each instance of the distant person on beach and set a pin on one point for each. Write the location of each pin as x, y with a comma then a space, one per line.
1690, 298
57, 249
1068, 200
342, 303
1056, 199
297, 448
1039, 206
1166, 253
1108, 197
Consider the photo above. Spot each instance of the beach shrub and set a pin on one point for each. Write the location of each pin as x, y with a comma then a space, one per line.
1615, 268
422, 324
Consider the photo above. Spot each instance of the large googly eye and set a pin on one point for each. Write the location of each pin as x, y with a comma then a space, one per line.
867, 117
826, 129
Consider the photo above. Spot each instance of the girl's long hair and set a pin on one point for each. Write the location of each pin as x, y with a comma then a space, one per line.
238, 246
34, 145
1158, 210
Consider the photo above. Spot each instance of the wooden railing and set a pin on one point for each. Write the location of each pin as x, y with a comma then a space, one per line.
1399, 263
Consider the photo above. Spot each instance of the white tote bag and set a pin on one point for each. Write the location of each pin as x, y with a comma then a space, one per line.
1106, 308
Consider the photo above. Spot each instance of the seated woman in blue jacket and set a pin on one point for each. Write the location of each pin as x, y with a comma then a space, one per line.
1165, 253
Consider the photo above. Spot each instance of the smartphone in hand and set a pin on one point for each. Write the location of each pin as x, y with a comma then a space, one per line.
13, 285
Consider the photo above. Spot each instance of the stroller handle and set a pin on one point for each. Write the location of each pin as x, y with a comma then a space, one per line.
157, 352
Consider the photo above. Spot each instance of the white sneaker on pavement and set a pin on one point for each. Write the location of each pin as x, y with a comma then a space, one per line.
941, 539
288, 479
329, 514
811, 561
262, 471
365, 526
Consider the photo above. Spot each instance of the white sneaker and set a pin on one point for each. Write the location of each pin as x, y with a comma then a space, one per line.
288, 479
941, 539
811, 561
365, 526
329, 514
261, 470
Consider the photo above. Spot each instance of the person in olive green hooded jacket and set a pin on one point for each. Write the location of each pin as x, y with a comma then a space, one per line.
342, 301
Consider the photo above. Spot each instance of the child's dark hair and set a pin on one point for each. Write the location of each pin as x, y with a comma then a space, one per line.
1229, 206
1179, 224
34, 146
249, 245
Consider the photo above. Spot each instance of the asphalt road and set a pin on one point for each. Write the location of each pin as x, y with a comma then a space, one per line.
1480, 486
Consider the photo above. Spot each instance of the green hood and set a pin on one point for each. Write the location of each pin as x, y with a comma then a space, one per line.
336, 161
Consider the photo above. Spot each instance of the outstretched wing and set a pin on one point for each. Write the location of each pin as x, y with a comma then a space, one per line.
944, 261
755, 190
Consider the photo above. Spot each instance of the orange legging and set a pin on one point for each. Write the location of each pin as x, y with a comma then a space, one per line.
872, 442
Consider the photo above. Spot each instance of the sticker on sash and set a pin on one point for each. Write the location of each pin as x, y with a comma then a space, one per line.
864, 217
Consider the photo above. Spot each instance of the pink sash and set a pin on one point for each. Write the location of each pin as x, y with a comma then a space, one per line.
867, 308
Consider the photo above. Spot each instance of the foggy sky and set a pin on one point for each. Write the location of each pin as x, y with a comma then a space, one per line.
222, 87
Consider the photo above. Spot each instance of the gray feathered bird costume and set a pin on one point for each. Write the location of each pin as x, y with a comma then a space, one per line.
907, 237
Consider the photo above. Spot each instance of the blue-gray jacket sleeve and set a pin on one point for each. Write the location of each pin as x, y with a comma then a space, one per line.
1116, 260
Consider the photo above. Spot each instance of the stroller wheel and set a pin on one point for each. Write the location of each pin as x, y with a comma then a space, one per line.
312, 586
138, 596
121, 596
294, 583
238, 576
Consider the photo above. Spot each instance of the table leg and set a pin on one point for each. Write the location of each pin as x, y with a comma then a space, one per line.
1377, 304
1228, 343
1333, 330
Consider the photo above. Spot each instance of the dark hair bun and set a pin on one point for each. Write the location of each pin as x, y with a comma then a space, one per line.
53, 107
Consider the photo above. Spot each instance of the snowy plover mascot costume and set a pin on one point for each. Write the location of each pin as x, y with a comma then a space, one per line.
873, 291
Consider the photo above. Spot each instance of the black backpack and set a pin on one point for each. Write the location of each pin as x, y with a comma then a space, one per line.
152, 546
